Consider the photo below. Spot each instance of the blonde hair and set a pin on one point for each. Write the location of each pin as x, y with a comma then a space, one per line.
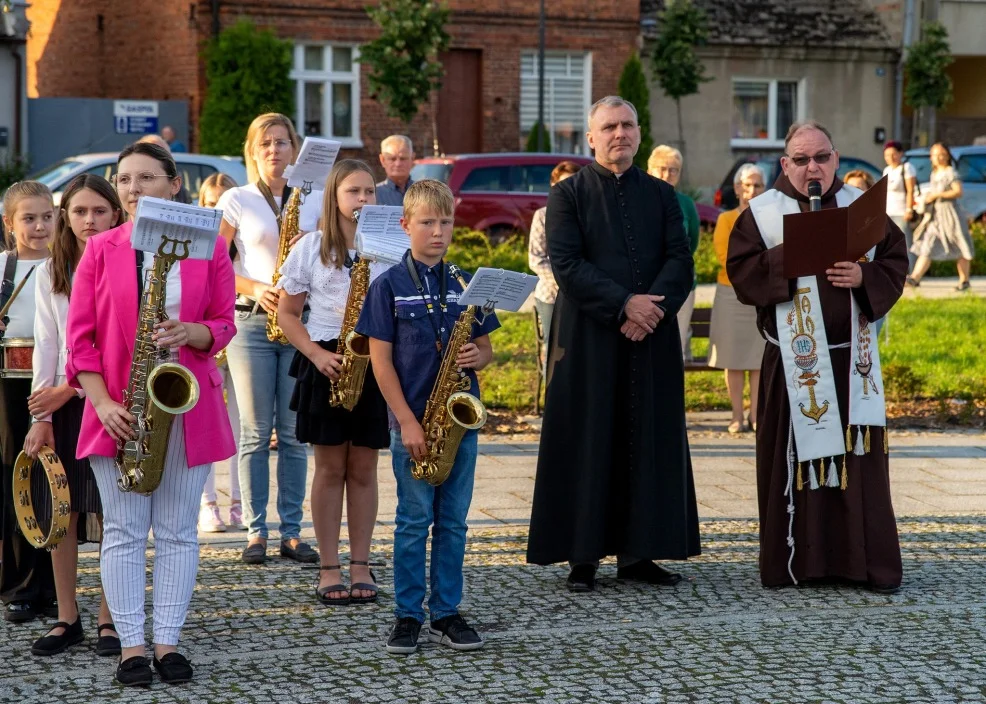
333, 249
860, 174
12, 198
397, 139
260, 125
431, 194
217, 180
663, 152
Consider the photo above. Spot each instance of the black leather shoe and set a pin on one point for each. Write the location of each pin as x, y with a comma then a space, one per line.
649, 573
582, 578
301, 552
107, 645
48, 607
174, 668
54, 644
19, 612
134, 672
884, 588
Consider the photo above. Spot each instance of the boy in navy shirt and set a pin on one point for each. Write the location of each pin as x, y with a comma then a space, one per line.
408, 314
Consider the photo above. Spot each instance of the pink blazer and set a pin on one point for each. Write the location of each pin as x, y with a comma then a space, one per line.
102, 327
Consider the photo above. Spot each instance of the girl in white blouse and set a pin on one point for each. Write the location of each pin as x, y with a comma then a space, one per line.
259, 367
346, 442
89, 205
26, 584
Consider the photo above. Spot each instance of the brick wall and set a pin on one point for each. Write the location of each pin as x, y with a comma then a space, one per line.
149, 49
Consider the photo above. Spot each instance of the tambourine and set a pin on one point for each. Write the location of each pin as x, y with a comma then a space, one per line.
61, 506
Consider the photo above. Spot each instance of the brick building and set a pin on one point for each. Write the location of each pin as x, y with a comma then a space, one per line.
150, 49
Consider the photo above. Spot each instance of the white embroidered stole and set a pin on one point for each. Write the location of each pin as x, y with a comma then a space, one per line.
816, 422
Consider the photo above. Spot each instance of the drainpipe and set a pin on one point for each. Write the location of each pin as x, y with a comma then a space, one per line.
906, 42
15, 140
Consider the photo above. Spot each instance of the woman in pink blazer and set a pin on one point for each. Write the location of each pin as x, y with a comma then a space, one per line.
102, 327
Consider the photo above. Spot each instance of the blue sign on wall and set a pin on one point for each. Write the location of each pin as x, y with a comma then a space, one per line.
135, 125
135, 116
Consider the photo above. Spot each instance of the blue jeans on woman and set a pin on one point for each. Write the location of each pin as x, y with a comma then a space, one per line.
259, 369
419, 506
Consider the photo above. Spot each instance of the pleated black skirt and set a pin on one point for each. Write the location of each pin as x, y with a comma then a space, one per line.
319, 423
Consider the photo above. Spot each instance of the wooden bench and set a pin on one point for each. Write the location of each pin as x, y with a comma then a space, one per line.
700, 325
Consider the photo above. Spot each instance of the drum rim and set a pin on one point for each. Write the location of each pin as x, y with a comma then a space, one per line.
19, 342
61, 506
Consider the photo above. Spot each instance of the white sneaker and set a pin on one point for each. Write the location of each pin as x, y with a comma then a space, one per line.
236, 517
209, 520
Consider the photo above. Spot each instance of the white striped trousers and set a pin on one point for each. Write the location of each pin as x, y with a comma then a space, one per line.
172, 511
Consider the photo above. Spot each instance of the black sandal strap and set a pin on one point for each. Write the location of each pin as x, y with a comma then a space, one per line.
105, 627
330, 567
60, 624
359, 563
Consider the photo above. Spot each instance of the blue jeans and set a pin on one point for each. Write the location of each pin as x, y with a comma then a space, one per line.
419, 506
259, 369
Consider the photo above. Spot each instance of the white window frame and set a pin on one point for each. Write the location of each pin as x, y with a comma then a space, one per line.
773, 140
302, 76
549, 116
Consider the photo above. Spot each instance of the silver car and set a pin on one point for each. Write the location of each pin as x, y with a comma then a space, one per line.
970, 162
193, 169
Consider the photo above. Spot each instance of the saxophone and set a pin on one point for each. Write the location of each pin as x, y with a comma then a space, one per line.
450, 410
346, 390
157, 390
289, 228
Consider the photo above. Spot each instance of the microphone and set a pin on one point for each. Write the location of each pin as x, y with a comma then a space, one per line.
814, 196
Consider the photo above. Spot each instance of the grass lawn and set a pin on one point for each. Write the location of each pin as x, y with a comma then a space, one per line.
935, 352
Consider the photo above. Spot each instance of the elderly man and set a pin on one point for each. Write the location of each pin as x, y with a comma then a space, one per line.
614, 473
397, 157
665, 163
171, 137
822, 467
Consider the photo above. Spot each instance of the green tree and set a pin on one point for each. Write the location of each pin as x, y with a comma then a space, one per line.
927, 85
681, 28
532, 138
247, 73
633, 87
403, 60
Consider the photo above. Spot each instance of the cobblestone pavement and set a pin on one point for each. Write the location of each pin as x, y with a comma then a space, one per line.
255, 634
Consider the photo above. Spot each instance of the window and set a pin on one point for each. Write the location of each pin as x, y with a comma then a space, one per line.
490, 178
327, 92
763, 110
972, 168
532, 178
567, 91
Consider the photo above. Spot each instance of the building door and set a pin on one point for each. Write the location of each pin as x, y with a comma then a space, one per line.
460, 127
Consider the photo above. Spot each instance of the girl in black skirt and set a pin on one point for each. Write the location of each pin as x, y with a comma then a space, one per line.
90, 205
346, 442
26, 585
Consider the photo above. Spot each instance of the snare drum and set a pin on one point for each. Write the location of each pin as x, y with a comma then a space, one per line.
16, 357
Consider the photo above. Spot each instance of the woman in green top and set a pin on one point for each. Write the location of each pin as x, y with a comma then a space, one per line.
665, 163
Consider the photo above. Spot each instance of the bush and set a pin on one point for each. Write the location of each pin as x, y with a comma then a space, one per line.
471, 249
903, 384
706, 262
246, 72
978, 231
532, 139
13, 168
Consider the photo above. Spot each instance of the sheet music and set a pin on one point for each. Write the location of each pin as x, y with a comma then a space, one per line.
498, 288
314, 163
379, 235
157, 218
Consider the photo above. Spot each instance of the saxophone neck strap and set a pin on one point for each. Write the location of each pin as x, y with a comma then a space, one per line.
139, 256
268, 195
442, 295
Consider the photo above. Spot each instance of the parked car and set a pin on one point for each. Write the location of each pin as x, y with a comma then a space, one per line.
771, 164
971, 166
193, 168
495, 193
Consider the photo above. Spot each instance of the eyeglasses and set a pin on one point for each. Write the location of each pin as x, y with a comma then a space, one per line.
145, 179
669, 170
278, 144
803, 160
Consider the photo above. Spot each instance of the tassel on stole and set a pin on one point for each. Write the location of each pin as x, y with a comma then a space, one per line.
886, 442
866, 440
848, 438
833, 475
812, 477
845, 474
800, 485
860, 450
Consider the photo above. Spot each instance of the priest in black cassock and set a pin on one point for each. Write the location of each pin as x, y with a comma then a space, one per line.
614, 474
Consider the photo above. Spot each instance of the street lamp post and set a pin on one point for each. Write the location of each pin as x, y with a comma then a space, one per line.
540, 123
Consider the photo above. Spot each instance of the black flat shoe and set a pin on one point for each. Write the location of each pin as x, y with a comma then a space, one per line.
54, 644
883, 588
582, 578
649, 573
302, 552
254, 554
174, 668
107, 645
48, 607
134, 672
19, 612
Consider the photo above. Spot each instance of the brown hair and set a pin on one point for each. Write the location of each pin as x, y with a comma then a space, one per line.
155, 152
12, 198
564, 168
260, 124
860, 174
951, 159
65, 247
431, 193
333, 240
216, 180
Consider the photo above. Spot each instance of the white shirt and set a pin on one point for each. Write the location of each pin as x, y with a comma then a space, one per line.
327, 287
257, 236
896, 190
50, 321
172, 286
21, 311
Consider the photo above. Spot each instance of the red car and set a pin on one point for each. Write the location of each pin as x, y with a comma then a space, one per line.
495, 193
498, 193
